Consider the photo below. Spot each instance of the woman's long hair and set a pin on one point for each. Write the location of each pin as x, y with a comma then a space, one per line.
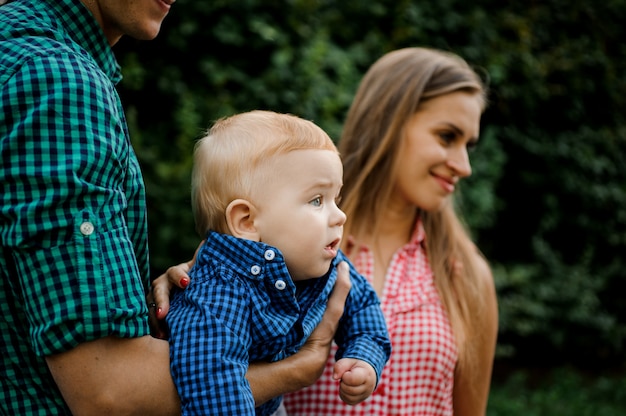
389, 95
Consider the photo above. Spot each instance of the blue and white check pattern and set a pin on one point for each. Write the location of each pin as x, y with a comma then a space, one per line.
242, 306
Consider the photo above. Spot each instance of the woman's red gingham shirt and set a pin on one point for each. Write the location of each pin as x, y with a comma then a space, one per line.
419, 377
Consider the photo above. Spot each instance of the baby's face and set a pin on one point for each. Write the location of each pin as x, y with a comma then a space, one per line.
298, 213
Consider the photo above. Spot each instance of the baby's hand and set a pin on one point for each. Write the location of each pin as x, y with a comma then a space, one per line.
358, 379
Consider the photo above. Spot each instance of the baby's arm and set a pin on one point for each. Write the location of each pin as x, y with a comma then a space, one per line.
363, 340
358, 379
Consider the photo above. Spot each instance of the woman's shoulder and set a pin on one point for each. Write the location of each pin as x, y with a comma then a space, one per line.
486, 286
484, 273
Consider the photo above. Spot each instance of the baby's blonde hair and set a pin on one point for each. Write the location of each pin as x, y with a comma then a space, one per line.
228, 160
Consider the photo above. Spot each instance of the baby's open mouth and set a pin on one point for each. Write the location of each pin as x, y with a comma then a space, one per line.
333, 245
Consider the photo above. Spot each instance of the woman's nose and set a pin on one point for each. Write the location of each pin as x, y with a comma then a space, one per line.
459, 162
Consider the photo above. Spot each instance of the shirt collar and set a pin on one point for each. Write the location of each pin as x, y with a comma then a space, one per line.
419, 235
82, 27
242, 255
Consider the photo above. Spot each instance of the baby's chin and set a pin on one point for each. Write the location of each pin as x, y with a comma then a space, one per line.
311, 274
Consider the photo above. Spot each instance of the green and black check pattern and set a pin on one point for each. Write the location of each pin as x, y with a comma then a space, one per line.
74, 255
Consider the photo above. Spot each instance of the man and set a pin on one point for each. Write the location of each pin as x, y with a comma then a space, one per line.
74, 253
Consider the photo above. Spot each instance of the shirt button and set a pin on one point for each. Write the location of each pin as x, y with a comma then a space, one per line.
270, 254
280, 285
255, 270
86, 228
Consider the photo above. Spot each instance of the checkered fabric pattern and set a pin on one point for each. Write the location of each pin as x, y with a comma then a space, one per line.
242, 306
418, 380
74, 255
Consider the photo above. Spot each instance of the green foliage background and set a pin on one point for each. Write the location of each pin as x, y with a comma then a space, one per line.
547, 201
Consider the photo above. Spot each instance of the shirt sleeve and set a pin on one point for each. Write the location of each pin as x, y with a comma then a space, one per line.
69, 179
209, 325
362, 332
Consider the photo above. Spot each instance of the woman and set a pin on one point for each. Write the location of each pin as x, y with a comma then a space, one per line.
405, 147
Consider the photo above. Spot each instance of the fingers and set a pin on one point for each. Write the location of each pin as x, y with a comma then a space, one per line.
337, 300
325, 330
160, 290
158, 326
313, 355
177, 275
174, 276
358, 379
341, 366
353, 394
356, 385
159, 297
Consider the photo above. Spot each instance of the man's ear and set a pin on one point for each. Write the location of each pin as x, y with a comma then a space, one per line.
240, 219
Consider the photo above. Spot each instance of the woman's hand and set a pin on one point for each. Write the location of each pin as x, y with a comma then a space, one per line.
159, 297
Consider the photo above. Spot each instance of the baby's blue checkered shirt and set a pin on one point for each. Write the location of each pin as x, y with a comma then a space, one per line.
242, 306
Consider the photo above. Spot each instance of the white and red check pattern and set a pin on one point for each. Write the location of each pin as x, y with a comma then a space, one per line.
419, 377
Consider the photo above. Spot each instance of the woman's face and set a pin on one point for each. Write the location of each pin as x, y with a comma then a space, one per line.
434, 150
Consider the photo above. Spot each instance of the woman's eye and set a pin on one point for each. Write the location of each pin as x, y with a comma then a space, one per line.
471, 145
316, 201
447, 137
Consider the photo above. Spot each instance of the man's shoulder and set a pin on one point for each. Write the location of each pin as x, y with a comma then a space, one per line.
42, 61
27, 28
27, 36
39, 56
19, 48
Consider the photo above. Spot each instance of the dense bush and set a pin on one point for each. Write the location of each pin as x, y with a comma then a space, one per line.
547, 202
561, 391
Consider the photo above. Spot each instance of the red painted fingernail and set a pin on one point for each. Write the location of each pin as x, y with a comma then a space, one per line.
184, 282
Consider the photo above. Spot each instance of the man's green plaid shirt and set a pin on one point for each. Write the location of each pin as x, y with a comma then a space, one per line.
74, 255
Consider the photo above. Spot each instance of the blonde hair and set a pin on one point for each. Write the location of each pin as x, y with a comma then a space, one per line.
389, 94
229, 160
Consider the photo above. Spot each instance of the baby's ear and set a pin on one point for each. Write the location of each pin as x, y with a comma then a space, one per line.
240, 220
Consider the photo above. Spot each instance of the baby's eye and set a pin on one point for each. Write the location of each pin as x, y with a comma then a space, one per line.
338, 200
317, 201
